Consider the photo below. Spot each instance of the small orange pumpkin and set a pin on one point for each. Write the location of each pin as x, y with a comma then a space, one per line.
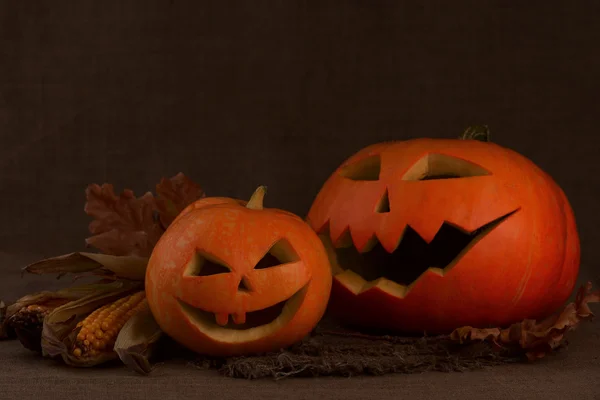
434, 234
231, 278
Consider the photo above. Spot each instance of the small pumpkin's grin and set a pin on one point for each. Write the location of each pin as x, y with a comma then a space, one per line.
245, 320
414, 256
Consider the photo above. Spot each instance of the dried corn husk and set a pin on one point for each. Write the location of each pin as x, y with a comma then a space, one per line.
27, 324
5, 331
48, 298
125, 273
59, 330
110, 267
136, 341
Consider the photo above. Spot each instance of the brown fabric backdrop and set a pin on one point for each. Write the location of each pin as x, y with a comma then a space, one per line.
236, 94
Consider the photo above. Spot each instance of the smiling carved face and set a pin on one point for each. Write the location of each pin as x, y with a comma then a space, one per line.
226, 279
433, 234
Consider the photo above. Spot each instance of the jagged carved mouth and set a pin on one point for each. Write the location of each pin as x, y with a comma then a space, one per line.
414, 256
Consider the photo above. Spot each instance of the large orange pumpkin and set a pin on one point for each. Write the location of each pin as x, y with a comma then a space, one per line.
230, 278
433, 234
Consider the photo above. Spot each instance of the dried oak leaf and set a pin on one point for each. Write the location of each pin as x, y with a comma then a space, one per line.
536, 339
175, 194
126, 225
123, 225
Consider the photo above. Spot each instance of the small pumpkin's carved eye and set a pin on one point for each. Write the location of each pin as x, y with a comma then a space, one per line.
367, 169
204, 265
440, 166
267, 261
281, 252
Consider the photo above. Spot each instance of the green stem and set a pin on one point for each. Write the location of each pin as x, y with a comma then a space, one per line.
477, 132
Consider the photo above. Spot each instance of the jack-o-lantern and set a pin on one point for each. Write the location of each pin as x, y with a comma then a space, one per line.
231, 278
433, 234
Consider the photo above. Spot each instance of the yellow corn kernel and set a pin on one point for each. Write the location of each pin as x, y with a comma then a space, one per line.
99, 330
91, 317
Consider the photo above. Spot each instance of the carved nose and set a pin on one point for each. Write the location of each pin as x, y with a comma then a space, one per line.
243, 286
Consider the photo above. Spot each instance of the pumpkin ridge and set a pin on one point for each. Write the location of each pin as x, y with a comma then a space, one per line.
520, 290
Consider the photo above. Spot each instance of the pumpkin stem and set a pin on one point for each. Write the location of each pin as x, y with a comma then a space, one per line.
256, 201
477, 132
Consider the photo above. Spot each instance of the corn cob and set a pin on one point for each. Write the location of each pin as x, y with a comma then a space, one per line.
30, 316
98, 331
5, 330
33, 315
28, 322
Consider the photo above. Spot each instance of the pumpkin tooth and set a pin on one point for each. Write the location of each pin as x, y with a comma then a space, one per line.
222, 318
239, 317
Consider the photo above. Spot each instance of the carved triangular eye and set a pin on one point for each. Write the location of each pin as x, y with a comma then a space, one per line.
281, 252
440, 166
267, 261
204, 265
367, 169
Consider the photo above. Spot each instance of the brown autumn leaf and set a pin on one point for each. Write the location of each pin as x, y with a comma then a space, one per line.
123, 225
536, 339
126, 225
175, 194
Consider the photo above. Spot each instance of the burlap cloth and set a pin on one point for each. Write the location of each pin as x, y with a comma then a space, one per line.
334, 351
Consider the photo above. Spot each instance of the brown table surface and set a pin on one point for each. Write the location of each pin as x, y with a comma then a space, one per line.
573, 374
